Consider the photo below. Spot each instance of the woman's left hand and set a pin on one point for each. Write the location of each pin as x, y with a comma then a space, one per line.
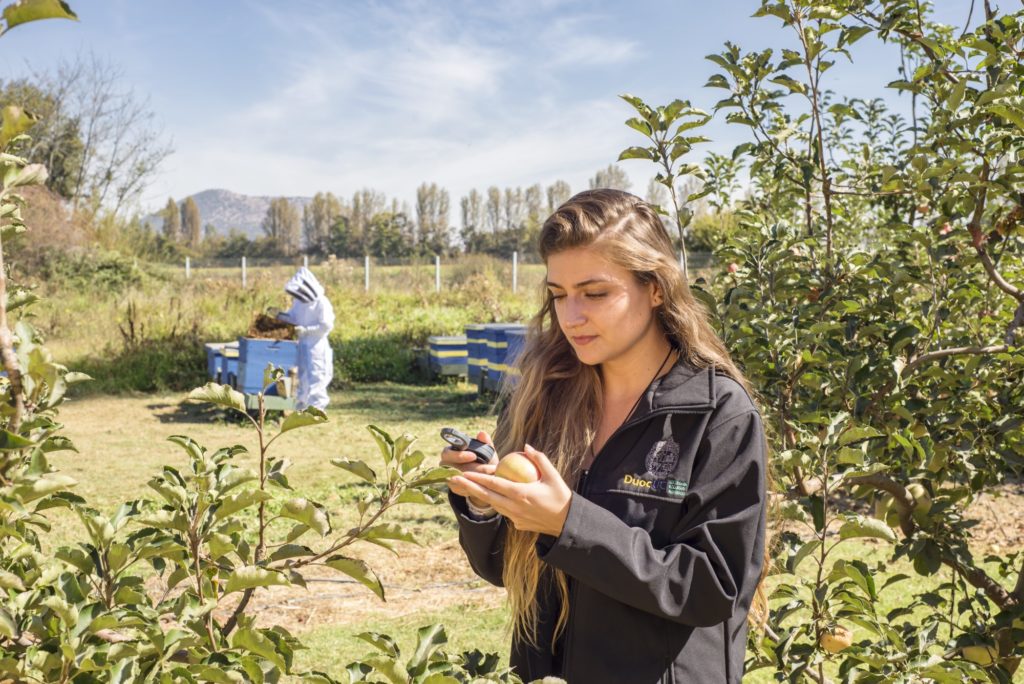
540, 506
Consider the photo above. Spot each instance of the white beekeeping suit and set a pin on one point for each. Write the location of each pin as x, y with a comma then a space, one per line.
313, 317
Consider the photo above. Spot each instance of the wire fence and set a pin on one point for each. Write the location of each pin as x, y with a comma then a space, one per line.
375, 273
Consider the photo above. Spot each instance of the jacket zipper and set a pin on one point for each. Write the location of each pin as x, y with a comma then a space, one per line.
581, 487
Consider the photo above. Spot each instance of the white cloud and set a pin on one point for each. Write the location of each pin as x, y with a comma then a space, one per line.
411, 96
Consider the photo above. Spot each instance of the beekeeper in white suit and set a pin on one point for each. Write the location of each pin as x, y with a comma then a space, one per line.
313, 317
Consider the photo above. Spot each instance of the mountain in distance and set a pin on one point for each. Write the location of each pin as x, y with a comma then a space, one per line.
227, 211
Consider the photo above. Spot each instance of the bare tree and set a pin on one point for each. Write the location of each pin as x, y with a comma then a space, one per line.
472, 211
432, 218
611, 177
493, 210
366, 204
172, 221
557, 193
282, 224
317, 218
657, 194
121, 147
191, 224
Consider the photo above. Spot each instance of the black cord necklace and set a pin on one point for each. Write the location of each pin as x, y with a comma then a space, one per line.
637, 402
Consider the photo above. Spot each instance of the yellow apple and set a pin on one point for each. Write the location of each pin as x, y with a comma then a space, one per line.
517, 467
980, 655
922, 499
836, 639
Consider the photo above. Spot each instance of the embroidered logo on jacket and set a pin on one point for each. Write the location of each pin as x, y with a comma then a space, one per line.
661, 463
662, 458
664, 486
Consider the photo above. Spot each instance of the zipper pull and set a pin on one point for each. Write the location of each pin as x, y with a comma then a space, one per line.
582, 484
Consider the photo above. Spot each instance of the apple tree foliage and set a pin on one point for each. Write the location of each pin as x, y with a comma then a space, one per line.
875, 298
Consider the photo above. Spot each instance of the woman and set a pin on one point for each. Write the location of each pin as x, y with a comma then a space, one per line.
637, 555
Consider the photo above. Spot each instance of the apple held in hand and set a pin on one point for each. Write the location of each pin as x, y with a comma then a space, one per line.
517, 467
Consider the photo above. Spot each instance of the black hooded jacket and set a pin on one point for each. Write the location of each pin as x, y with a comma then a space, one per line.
663, 544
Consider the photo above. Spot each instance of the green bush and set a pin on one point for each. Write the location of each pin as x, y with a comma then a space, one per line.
96, 270
166, 364
374, 359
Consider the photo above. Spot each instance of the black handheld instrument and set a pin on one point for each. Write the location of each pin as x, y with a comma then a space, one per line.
461, 442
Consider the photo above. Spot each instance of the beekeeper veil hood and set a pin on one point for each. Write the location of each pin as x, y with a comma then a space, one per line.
304, 286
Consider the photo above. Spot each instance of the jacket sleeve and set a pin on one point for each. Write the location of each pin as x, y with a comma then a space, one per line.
715, 556
482, 540
324, 323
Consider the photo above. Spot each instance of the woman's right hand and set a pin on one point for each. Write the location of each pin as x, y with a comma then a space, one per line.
467, 463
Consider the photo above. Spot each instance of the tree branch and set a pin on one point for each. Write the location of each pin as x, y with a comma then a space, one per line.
902, 498
976, 576
953, 351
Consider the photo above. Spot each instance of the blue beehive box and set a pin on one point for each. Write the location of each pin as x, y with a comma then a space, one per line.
253, 357
215, 357
497, 349
228, 365
476, 351
448, 354
516, 342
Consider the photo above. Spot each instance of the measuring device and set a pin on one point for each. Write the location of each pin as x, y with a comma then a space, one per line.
462, 442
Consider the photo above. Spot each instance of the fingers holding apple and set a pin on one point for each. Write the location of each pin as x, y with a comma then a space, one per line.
525, 487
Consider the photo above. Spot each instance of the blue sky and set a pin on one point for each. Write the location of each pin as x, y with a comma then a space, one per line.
291, 98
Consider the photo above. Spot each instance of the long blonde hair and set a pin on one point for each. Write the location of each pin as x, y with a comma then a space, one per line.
556, 404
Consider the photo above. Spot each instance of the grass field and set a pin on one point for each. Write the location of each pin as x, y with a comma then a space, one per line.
122, 442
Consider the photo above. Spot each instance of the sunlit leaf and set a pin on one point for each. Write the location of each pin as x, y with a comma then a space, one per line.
220, 395
357, 570
250, 577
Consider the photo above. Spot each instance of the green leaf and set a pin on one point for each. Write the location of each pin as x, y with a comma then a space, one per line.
257, 643
640, 125
220, 395
1012, 114
42, 486
24, 11
310, 416
8, 626
8, 580
434, 476
387, 531
384, 443
307, 513
357, 468
862, 526
250, 576
357, 570
638, 153
236, 502
12, 442
429, 639
15, 122
382, 642
858, 434
287, 551
803, 552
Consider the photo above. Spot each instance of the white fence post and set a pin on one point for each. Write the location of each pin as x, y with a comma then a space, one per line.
305, 261
437, 273
366, 273
243, 271
188, 268
515, 272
